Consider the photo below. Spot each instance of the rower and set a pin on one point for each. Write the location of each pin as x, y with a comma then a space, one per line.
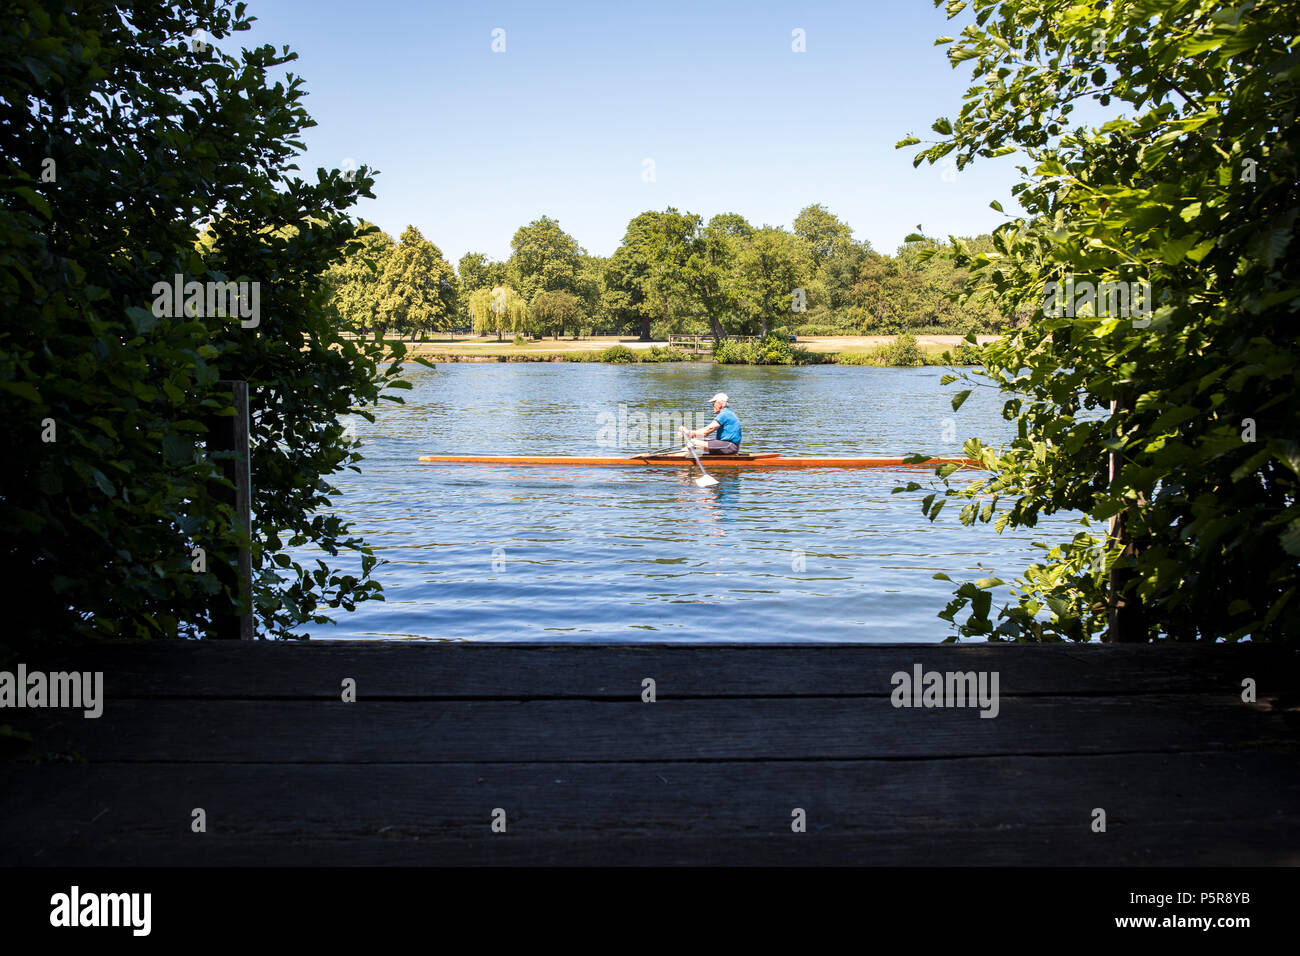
725, 423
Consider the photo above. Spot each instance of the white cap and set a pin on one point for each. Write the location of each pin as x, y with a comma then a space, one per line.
720, 397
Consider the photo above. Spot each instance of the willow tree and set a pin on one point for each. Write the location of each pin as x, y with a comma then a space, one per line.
498, 310
476, 271
1169, 423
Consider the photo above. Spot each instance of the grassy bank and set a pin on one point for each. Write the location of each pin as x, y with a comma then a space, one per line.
885, 351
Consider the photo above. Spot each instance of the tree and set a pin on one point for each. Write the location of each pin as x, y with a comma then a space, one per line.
353, 281
121, 139
825, 233
710, 273
645, 277
838, 272
498, 310
554, 312
417, 288
591, 292
544, 258
476, 271
1165, 399
771, 267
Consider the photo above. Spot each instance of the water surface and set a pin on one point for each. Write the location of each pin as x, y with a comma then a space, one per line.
612, 554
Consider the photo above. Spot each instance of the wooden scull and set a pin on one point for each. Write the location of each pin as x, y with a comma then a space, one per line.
756, 460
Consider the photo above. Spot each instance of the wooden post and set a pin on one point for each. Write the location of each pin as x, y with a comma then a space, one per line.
231, 434
1125, 622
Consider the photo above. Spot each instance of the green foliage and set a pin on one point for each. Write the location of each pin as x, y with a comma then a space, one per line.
518, 340
813, 328
922, 287
903, 352
591, 292
823, 231
544, 258
498, 310
553, 312
101, 517
645, 277
475, 271
857, 358
618, 355
770, 268
416, 288
354, 280
1191, 188
774, 350
967, 353
662, 353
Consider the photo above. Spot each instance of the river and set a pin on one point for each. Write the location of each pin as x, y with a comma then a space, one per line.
610, 554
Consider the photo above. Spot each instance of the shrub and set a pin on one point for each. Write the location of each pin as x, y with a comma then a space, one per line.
964, 354
904, 352
774, 350
727, 352
858, 358
618, 355
809, 357
661, 353
518, 340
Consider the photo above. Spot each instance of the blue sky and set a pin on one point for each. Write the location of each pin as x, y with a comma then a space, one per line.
471, 144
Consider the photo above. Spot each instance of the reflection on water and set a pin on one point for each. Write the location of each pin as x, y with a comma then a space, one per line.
642, 554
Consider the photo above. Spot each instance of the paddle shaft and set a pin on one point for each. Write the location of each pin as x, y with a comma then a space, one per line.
696, 455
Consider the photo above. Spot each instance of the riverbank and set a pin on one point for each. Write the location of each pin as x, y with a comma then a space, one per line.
878, 350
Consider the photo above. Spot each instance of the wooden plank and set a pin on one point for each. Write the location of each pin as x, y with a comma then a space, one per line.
294, 731
1186, 809
454, 670
1163, 845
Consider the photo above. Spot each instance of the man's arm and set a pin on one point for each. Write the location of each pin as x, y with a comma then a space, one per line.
701, 432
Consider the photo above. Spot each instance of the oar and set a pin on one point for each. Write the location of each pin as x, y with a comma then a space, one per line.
704, 481
657, 452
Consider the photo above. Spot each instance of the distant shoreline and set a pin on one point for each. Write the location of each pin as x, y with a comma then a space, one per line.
830, 350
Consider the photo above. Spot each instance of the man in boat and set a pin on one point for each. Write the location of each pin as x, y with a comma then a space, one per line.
725, 423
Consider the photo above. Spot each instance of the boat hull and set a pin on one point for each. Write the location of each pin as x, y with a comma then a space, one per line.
764, 460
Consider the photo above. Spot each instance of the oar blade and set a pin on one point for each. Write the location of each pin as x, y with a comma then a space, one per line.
704, 481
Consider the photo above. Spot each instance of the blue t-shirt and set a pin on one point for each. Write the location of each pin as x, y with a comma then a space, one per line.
728, 426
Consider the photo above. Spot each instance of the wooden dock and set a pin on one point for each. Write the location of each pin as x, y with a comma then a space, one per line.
558, 742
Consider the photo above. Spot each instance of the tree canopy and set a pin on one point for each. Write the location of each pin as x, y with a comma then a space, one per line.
416, 288
1175, 423
124, 139
672, 273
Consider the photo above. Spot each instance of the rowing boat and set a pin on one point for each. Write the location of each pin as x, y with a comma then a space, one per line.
756, 460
